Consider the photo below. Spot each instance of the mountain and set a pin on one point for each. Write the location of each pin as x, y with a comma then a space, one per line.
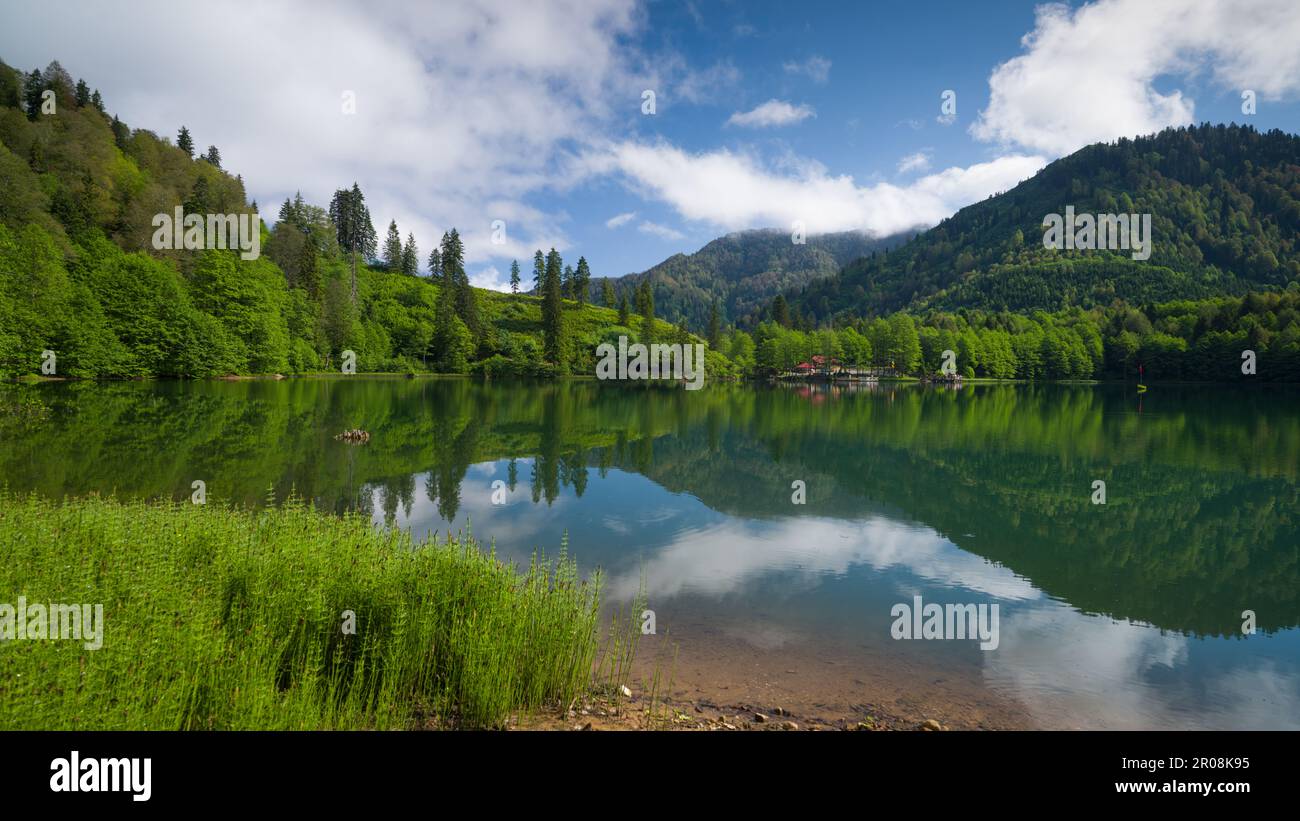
742, 271
1224, 202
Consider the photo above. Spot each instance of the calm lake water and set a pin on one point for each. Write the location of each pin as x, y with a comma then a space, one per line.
1122, 615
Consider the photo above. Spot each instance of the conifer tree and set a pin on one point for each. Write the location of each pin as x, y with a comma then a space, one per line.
514, 276
410, 257
393, 248
185, 142
553, 309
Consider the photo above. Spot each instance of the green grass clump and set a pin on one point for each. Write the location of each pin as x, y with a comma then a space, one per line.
220, 618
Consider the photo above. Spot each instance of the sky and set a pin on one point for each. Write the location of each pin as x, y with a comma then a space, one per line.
627, 131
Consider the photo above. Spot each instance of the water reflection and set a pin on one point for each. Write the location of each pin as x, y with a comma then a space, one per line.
1122, 615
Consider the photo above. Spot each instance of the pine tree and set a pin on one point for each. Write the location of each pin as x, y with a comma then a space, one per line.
97, 101
781, 311
539, 272
514, 276
393, 248
435, 263
553, 309
453, 273
410, 257
32, 90
309, 271
566, 290
355, 231
647, 299
582, 281
83, 94
121, 133
213, 156
185, 142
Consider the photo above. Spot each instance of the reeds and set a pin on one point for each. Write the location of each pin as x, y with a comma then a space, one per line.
219, 618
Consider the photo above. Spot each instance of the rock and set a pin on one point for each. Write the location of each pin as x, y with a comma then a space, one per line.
727, 726
759, 718
931, 725
789, 725
862, 725
778, 711
624, 691
581, 727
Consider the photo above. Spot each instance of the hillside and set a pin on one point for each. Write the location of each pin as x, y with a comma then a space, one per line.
1225, 208
742, 271
80, 276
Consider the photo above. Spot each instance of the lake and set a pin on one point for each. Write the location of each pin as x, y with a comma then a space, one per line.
775, 530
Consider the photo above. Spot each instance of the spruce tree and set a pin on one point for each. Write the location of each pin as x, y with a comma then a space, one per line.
514, 276
393, 248
624, 312
607, 293
581, 281
435, 263
213, 156
83, 94
553, 309
410, 257
355, 231
32, 90
185, 142
647, 313
97, 101
539, 272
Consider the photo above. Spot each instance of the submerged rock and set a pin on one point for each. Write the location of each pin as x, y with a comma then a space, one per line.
355, 436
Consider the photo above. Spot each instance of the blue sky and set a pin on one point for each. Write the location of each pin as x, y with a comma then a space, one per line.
530, 112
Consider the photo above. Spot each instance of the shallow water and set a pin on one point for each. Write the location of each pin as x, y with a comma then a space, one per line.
1126, 614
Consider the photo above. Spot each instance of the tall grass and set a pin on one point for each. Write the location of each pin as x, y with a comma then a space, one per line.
218, 618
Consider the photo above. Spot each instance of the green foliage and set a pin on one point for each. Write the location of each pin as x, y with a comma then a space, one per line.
252, 608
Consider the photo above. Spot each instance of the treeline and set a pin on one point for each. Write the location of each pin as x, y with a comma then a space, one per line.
1176, 340
80, 276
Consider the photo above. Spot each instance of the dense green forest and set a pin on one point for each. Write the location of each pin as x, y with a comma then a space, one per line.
1178, 340
1225, 207
80, 276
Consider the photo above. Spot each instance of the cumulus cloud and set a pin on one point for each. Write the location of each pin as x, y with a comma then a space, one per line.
620, 219
1089, 74
735, 190
771, 113
920, 161
815, 68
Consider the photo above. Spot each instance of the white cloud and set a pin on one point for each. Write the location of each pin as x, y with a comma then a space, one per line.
816, 68
1089, 75
620, 220
920, 161
733, 190
661, 231
771, 113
